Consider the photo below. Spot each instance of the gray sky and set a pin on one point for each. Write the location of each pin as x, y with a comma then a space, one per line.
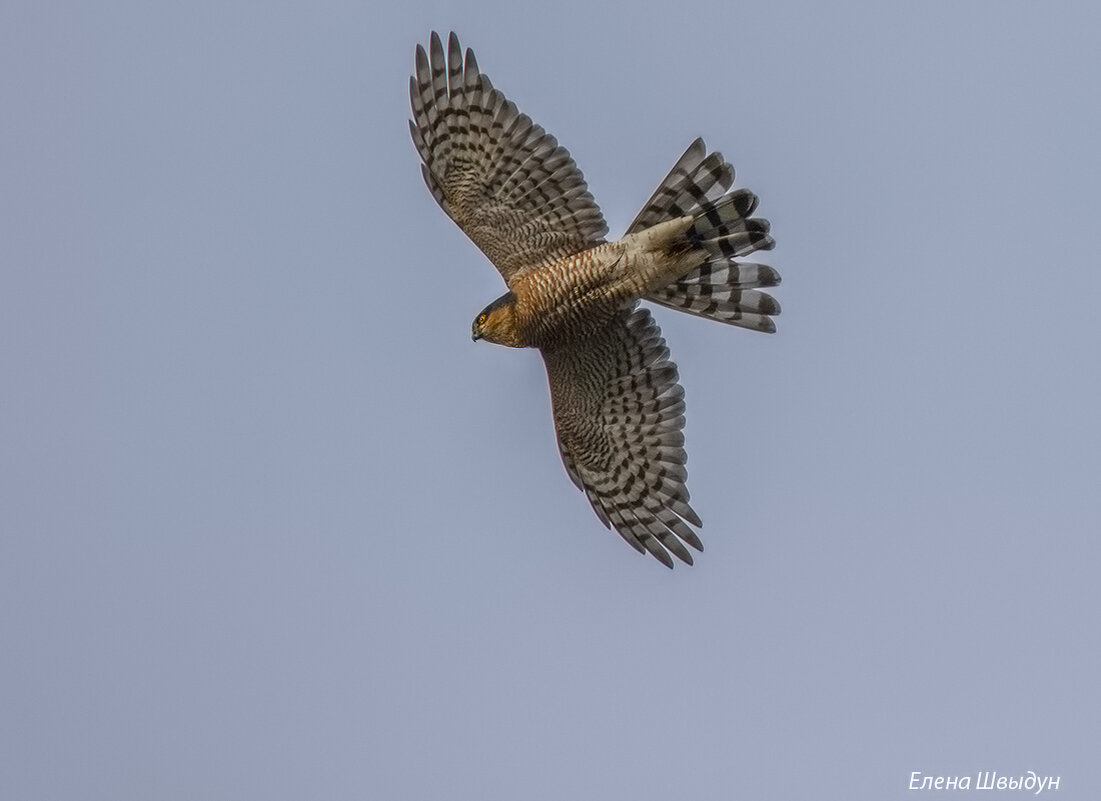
273, 527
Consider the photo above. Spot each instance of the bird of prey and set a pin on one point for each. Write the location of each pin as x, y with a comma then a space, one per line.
618, 409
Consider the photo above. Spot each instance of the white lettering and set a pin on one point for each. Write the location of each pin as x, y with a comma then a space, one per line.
985, 780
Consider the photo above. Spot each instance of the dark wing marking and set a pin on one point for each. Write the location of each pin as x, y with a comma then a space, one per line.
619, 412
507, 183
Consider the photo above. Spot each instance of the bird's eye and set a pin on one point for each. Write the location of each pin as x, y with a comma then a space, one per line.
481, 319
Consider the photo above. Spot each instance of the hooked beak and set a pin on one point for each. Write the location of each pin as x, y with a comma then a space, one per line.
475, 336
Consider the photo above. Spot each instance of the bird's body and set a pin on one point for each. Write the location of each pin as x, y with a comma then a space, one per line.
574, 297
618, 408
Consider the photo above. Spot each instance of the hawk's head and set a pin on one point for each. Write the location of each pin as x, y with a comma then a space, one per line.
497, 323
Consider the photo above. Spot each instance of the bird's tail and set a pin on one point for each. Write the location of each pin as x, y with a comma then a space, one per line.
721, 288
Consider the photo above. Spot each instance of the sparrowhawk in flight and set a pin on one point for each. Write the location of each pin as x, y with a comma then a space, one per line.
618, 409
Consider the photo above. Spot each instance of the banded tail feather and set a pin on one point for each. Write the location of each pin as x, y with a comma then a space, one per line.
695, 180
725, 292
721, 288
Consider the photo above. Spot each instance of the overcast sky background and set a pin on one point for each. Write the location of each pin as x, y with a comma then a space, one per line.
273, 527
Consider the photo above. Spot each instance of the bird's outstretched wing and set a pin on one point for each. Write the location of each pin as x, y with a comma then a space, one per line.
619, 411
507, 183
